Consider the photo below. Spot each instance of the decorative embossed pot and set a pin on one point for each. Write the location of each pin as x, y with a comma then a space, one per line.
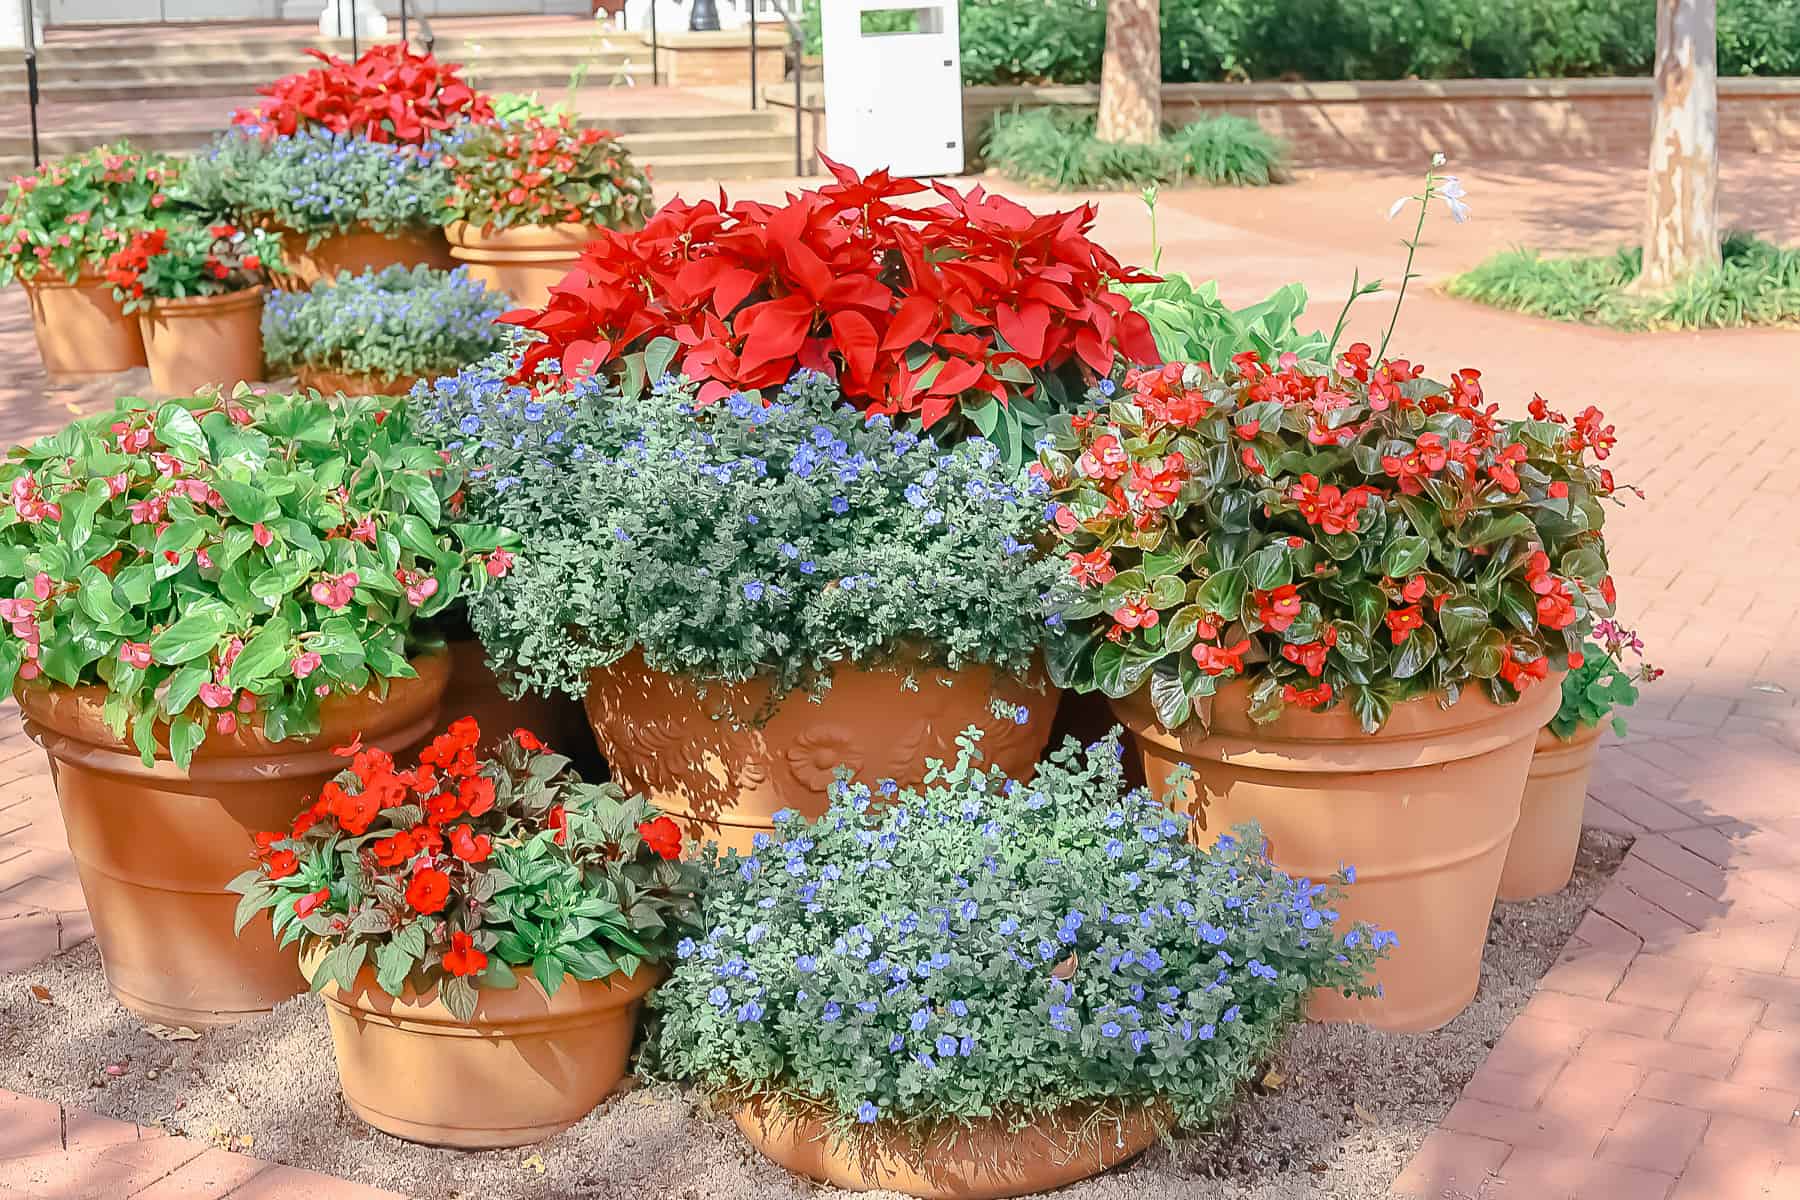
558, 720
980, 1161
358, 250
723, 760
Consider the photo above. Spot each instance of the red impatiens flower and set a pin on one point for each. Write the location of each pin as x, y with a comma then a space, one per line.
528, 740
462, 958
394, 850
470, 846
311, 901
558, 820
280, 864
663, 836
429, 890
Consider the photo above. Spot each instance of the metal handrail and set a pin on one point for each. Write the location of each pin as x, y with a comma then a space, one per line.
795, 57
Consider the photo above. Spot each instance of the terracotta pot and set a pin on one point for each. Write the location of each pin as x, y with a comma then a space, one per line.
329, 383
980, 1161
155, 846
715, 757
561, 722
1423, 810
357, 251
524, 1068
82, 332
522, 261
1541, 859
204, 339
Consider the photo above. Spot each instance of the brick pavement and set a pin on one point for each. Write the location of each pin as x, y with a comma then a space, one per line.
1660, 1058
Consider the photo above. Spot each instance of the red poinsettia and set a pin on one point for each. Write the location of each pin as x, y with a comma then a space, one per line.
913, 310
390, 94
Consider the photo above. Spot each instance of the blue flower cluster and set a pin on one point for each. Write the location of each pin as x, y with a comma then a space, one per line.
394, 322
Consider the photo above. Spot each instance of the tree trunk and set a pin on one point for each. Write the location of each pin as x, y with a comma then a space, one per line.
1681, 233
1131, 74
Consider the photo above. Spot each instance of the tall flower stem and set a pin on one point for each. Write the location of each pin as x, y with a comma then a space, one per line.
1412, 248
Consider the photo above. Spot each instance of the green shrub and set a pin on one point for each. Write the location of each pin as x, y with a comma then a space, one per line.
1758, 283
1056, 148
992, 947
392, 323
1191, 324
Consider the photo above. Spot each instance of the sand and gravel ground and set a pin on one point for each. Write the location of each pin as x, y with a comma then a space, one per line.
1350, 1106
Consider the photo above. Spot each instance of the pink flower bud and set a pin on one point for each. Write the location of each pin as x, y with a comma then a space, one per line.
135, 654
305, 664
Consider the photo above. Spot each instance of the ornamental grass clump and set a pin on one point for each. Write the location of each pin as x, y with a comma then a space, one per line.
453, 872
991, 947
394, 323
75, 212
215, 561
739, 539
538, 171
1360, 536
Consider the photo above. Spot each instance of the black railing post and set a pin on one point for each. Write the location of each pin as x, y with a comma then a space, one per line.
31, 78
655, 58
799, 128
753, 96
355, 51
403, 22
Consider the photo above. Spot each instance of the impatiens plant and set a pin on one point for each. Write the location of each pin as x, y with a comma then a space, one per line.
78, 210
542, 172
1362, 535
395, 322
390, 94
220, 560
973, 308
191, 260
990, 947
452, 872
317, 183
738, 539
1600, 682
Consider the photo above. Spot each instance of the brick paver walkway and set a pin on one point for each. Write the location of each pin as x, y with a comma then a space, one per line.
1660, 1058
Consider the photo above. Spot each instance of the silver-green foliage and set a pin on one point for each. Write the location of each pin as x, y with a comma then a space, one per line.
986, 946
737, 539
393, 322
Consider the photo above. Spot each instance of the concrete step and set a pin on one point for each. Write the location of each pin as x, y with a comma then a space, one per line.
724, 166
546, 79
659, 147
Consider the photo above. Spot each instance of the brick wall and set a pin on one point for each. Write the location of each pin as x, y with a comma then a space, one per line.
1468, 119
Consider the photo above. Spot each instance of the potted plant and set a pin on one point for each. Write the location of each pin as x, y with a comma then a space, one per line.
762, 591
1541, 858
57, 227
198, 293
204, 596
973, 315
996, 984
380, 332
1331, 595
481, 930
526, 197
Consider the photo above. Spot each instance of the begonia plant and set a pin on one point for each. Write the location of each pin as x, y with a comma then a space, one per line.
974, 308
391, 93
451, 873
1359, 536
217, 560
986, 947
74, 212
186, 260
544, 172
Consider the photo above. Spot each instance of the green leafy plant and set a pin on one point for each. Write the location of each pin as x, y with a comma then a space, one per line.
215, 560
317, 183
1191, 324
1361, 535
456, 871
738, 539
392, 323
995, 947
542, 172
1600, 682
1055, 148
1757, 283
75, 212
190, 260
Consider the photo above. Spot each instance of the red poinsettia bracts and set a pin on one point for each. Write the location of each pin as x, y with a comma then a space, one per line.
390, 94
914, 310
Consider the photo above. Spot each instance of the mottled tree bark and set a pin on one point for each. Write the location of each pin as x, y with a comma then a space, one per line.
1131, 74
1681, 232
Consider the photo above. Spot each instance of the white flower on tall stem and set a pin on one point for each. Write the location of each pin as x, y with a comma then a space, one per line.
1451, 190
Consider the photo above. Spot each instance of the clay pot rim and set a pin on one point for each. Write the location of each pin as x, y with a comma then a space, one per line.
202, 305
564, 238
327, 380
86, 279
68, 719
1549, 741
516, 1011
897, 662
1419, 732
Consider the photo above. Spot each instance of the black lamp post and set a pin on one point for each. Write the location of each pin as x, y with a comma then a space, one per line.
705, 18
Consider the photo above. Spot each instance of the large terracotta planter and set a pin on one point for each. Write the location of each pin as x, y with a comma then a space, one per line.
357, 251
204, 340
1423, 810
717, 756
329, 383
981, 1161
1541, 859
82, 332
522, 261
525, 1067
560, 722
155, 846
